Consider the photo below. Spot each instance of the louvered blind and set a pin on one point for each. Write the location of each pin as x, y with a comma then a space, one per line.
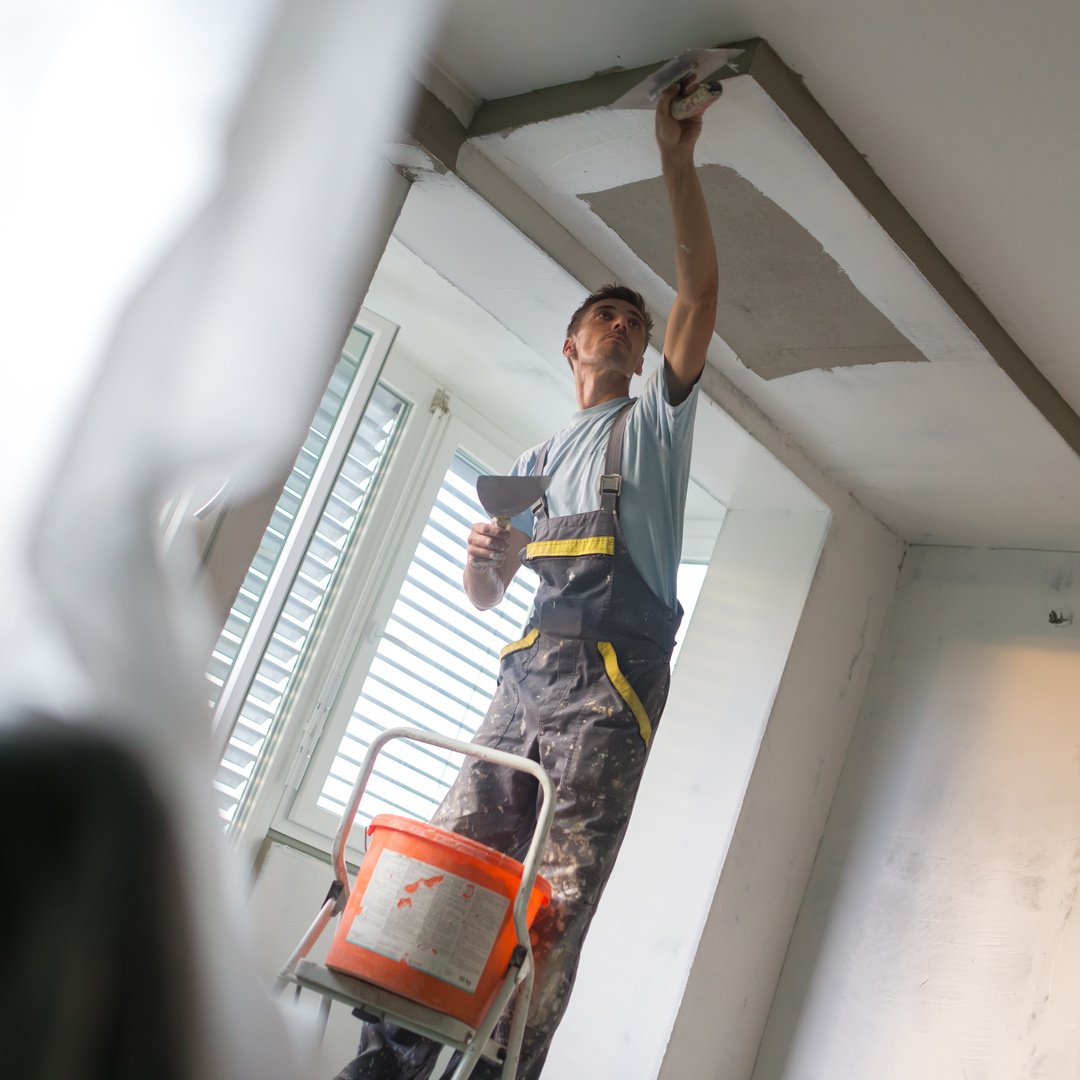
274, 677
281, 524
435, 667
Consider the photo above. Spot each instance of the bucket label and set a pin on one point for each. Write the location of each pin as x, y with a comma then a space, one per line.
435, 921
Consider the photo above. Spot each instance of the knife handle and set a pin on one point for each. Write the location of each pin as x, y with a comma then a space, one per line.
698, 101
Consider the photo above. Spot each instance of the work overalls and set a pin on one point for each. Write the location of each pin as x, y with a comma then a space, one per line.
581, 693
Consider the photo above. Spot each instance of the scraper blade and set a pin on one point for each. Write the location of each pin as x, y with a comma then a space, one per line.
504, 496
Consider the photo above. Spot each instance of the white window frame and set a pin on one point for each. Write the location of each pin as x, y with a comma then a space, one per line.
370, 579
251, 650
303, 811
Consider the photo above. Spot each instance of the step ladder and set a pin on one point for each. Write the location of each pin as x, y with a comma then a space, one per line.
376, 1003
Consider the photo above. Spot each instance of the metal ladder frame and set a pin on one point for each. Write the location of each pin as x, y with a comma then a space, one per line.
374, 1002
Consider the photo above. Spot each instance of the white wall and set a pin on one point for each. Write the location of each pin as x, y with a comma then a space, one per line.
642, 942
937, 938
784, 806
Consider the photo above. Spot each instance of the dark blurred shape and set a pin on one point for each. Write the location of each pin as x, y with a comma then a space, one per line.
96, 980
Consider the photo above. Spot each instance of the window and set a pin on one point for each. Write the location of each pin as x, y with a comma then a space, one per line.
413, 652
434, 668
353, 619
690, 579
270, 626
285, 514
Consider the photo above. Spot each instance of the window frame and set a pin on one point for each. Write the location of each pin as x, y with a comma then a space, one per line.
235, 687
370, 580
436, 425
298, 814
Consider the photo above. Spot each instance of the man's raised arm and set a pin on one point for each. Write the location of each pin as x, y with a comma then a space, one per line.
693, 315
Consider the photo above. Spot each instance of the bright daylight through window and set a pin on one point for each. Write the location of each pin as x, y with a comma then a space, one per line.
435, 666
436, 659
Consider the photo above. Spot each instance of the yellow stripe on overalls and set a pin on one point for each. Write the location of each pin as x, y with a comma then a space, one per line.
586, 545
626, 691
521, 643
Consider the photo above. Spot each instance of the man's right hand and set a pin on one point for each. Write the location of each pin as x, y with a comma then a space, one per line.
488, 543
494, 557
692, 318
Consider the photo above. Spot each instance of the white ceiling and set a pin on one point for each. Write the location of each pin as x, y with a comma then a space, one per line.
967, 110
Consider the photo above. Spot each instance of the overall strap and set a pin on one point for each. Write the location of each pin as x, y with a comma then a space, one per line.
541, 458
539, 508
611, 481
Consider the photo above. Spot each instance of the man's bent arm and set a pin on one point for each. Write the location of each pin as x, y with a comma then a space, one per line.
693, 315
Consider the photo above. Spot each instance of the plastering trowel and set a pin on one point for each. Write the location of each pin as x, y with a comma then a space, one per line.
693, 64
504, 496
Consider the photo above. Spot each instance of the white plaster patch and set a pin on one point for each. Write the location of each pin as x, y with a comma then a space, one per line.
917, 451
604, 148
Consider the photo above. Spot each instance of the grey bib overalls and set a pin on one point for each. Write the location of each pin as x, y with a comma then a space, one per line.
581, 693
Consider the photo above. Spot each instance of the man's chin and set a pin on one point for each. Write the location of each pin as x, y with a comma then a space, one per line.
615, 354
616, 359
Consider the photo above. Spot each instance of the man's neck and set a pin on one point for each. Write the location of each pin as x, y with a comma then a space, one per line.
595, 391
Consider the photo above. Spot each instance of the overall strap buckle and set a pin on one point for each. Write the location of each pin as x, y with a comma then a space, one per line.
610, 486
611, 481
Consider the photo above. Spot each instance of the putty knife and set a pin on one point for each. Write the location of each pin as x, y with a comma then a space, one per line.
504, 496
697, 62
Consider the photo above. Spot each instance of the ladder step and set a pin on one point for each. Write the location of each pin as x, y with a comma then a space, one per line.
376, 1003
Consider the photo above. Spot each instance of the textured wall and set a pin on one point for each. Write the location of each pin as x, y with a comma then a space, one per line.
937, 938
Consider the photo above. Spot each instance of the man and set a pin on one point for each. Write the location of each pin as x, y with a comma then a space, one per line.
584, 689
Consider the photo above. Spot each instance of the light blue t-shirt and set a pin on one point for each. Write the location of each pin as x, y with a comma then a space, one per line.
655, 471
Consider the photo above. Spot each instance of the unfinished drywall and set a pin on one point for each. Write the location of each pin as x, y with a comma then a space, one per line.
785, 304
937, 938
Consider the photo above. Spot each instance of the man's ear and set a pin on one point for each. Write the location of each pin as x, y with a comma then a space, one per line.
640, 365
569, 350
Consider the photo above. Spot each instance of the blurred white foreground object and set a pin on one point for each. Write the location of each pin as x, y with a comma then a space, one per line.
186, 199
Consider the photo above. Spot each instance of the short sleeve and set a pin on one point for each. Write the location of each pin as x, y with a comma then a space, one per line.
657, 414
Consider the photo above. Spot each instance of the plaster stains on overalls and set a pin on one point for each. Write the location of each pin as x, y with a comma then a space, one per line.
581, 693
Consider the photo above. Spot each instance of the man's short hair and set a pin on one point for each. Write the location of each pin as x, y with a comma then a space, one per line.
611, 292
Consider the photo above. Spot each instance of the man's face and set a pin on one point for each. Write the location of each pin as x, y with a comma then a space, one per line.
611, 334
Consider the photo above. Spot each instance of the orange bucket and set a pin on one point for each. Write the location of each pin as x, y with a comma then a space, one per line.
431, 917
